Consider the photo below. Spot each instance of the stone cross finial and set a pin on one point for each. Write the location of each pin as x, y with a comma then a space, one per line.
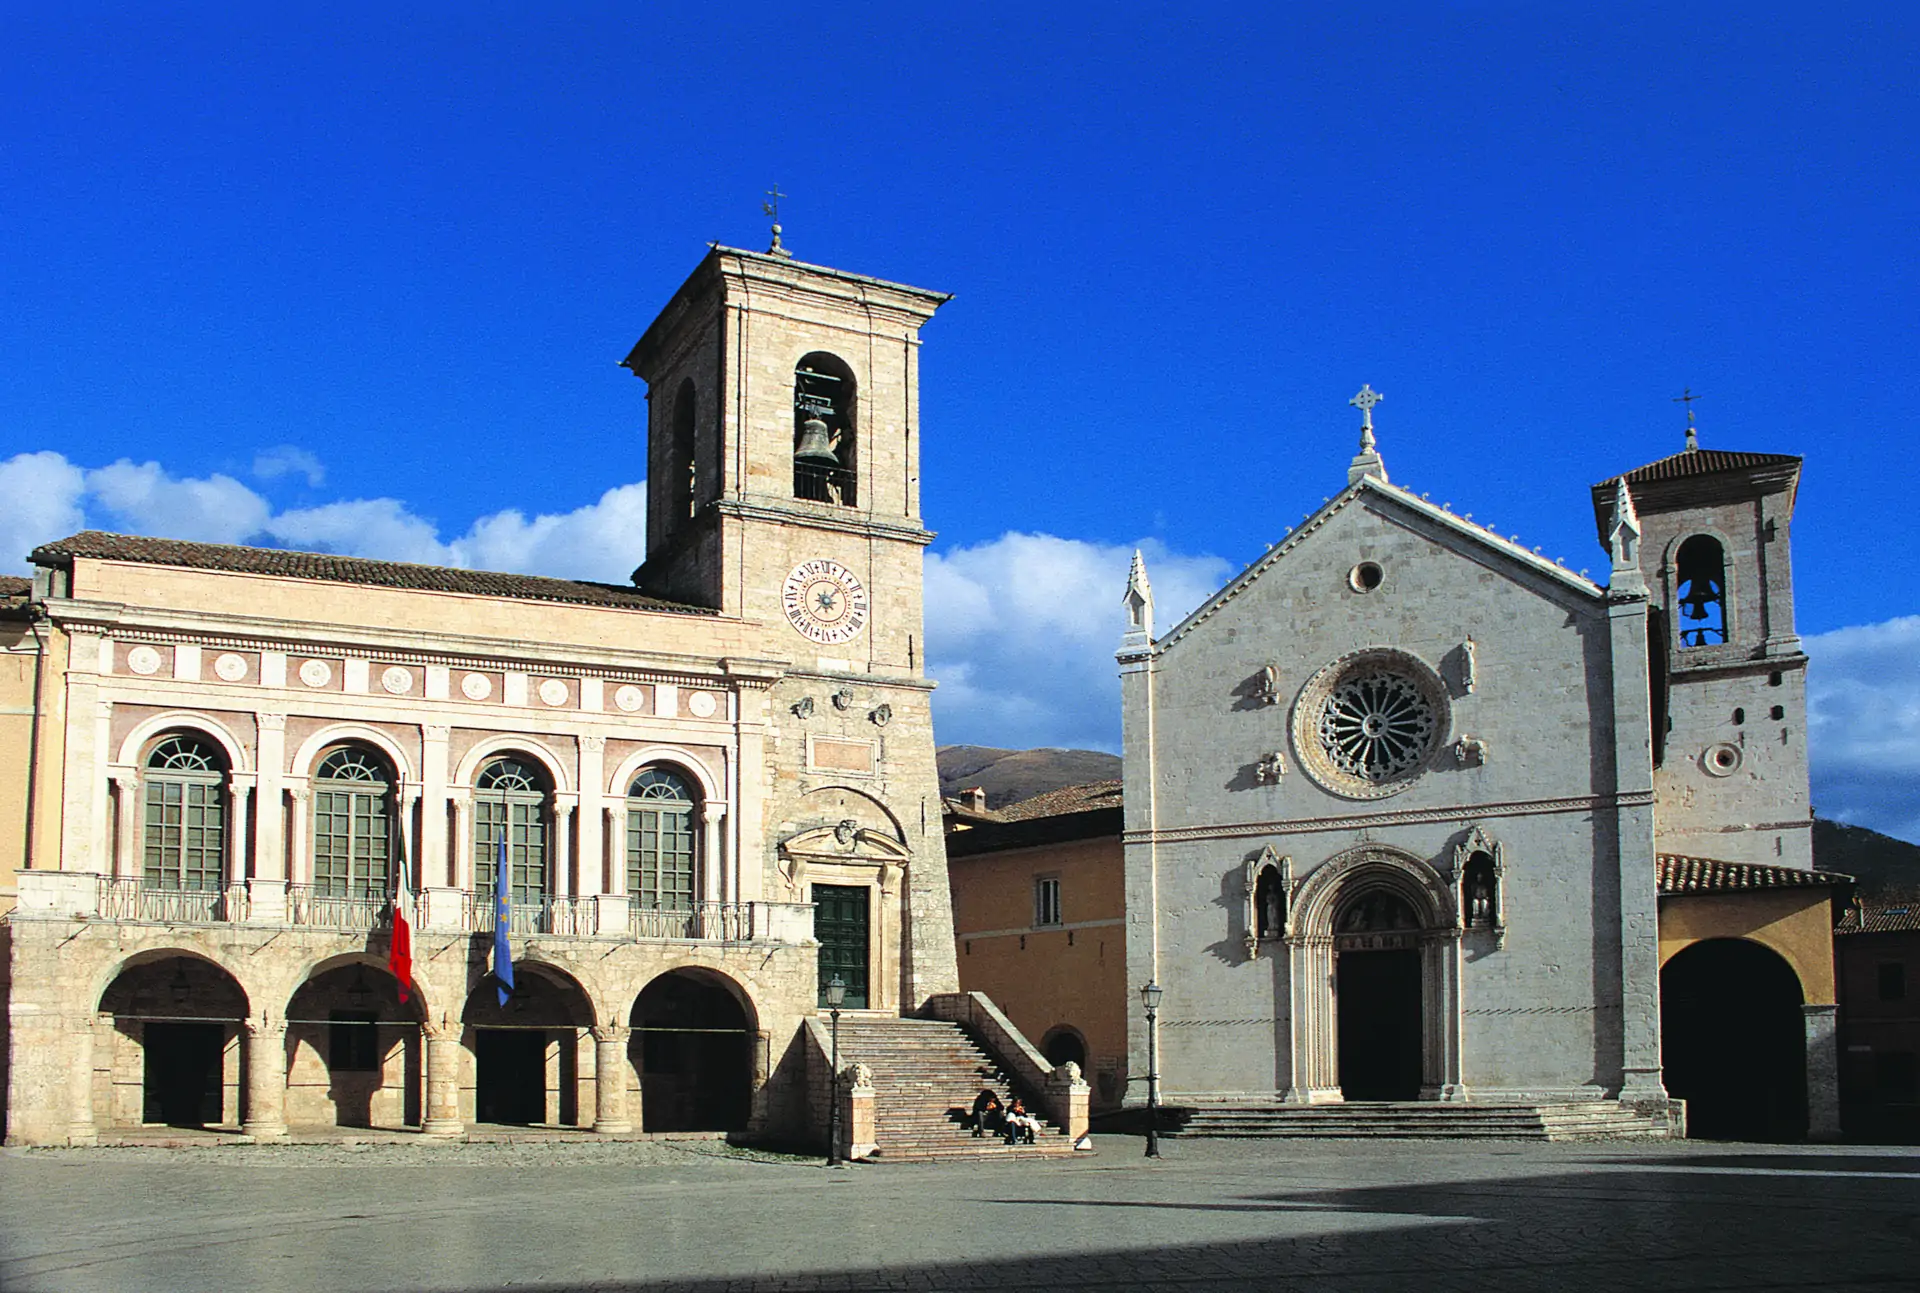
772, 208
1687, 397
1368, 461
1364, 401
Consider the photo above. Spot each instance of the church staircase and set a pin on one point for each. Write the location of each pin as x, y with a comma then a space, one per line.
926, 1074
1419, 1120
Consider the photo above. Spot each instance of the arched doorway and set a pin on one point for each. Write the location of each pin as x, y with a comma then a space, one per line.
1733, 1041
1063, 1044
692, 1046
177, 1024
526, 1053
354, 1051
1377, 997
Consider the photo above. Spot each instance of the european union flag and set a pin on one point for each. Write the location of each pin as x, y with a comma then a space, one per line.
502, 918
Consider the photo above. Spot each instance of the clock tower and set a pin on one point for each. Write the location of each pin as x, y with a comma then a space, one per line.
783, 493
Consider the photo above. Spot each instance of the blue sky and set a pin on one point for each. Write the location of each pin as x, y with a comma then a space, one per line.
355, 279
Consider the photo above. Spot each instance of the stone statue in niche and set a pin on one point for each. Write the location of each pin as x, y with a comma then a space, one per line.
1469, 666
1470, 752
1266, 885
1270, 769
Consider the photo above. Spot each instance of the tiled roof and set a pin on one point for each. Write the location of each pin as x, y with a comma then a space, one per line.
1067, 799
1680, 874
1883, 919
12, 586
346, 570
1703, 462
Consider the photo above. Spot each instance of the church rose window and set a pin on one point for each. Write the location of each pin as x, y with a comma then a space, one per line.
1365, 726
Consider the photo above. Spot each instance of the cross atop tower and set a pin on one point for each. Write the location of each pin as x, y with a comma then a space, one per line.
1687, 397
772, 208
1364, 401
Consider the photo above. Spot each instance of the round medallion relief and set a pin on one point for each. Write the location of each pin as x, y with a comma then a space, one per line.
629, 698
396, 681
701, 704
316, 673
1365, 726
231, 667
1721, 759
476, 686
143, 659
553, 692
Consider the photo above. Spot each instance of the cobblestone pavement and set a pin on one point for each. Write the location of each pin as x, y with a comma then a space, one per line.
1360, 1217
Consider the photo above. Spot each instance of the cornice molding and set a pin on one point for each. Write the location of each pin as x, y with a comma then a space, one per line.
1457, 814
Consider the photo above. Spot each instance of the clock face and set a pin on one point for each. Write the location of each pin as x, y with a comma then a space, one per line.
824, 601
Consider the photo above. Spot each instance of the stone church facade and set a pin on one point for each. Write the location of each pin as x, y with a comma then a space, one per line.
1405, 802
715, 788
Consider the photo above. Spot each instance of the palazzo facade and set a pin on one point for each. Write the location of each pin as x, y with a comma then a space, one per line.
714, 788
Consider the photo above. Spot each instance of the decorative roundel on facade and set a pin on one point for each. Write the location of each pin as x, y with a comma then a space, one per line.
701, 704
230, 667
143, 659
476, 686
316, 673
1365, 725
1721, 759
553, 692
1365, 577
629, 698
396, 681
824, 601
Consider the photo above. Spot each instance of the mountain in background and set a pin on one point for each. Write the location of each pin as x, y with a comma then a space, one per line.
1008, 776
1886, 868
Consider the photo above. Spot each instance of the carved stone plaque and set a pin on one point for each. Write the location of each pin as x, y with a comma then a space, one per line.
476, 686
701, 704
629, 698
230, 667
396, 681
143, 659
316, 673
553, 692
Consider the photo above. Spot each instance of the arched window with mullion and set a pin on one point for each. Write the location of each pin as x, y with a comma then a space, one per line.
352, 825
510, 797
185, 832
662, 854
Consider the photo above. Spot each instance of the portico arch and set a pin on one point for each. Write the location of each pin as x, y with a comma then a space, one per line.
693, 1047
176, 1055
1390, 880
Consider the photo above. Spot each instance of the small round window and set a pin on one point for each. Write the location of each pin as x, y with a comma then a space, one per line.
1721, 759
1365, 577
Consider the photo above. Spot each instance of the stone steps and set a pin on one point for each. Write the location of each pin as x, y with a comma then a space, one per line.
1598, 1119
925, 1076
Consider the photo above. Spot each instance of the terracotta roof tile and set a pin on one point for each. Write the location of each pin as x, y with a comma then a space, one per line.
1704, 462
14, 586
347, 570
1680, 874
1067, 799
1886, 918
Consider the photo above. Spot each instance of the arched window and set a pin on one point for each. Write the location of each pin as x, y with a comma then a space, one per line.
685, 467
826, 441
662, 860
1701, 573
352, 814
510, 799
186, 815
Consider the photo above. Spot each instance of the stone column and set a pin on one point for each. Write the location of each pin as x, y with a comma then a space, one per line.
593, 797
270, 835
81, 1129
266, 1057
612, 901
435, 872
126, 848
297, 860
1823, 1073
713, 812
610, 1079
412, 865
562, 880
442, 1045
239, 802
462, 801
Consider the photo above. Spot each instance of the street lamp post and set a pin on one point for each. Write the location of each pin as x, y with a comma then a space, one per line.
1150, 998
836, 993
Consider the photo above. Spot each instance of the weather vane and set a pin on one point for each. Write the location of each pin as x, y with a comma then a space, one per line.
772, 208
1687, 397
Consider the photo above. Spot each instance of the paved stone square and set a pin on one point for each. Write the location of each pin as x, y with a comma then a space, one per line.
1211, 1215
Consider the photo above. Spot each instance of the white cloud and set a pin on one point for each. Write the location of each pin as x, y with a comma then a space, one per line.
39, 502
143, 498
289, 460
1863, 712
1021, 633
43, 497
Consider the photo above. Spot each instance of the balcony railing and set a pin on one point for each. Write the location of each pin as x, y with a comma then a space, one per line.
578, 916
310, 905
732, 922
130, 898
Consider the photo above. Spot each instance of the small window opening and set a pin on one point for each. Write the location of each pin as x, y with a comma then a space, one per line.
1774, 679
1739, 717
1893, 980
684, 467
1778, 712
1481, 895
1046, 900
1702, 574
1365, 577
825, 439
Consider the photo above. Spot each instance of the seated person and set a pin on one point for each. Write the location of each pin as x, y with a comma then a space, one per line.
1021, 1125
986, 1114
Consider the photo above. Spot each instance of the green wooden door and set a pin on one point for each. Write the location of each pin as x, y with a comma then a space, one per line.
840, 924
